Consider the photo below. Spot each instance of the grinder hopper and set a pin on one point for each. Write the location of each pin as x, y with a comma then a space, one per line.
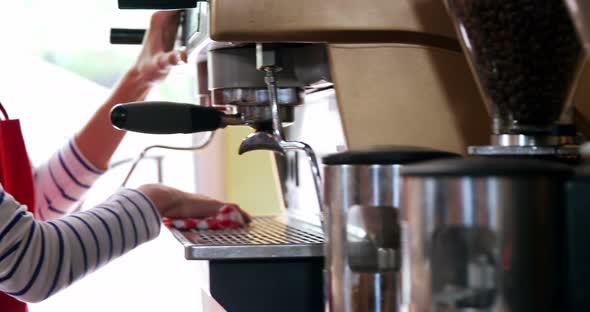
526, 58
580, 11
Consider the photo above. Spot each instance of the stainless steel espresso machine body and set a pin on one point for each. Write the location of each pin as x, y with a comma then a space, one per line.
348, 75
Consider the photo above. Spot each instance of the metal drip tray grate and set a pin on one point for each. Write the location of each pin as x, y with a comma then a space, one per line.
262, 231
265, 237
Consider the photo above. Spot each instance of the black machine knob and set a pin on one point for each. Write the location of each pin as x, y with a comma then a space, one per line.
127, 36
166, 118
157, 4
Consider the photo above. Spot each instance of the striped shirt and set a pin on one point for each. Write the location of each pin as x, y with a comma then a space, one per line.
40, 257
61, 182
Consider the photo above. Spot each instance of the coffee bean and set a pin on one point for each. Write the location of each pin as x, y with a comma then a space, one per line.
526, 55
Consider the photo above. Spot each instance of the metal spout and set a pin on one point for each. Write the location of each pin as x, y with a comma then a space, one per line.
261, 140
272, 140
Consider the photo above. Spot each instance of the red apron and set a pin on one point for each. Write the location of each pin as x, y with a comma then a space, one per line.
17, 179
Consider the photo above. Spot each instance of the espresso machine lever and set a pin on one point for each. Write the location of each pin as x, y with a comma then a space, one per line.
170, 118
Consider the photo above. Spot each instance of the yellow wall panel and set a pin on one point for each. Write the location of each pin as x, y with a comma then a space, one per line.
250, 178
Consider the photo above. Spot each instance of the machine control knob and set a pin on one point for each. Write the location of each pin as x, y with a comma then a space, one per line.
157, 4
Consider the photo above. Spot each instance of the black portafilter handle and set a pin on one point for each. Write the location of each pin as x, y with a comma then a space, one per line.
157, 4
127, 36
166, 118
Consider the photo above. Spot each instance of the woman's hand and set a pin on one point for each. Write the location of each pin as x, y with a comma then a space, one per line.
153, 64
176, 204
158, 54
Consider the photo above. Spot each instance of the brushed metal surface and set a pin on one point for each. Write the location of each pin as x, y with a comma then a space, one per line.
363, 254
490, 244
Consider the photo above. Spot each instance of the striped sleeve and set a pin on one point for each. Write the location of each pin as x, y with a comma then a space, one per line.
61, 182
39, 258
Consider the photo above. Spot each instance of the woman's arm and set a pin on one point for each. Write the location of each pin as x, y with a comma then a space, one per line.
68, 174
62, 181
98, 140
37, 258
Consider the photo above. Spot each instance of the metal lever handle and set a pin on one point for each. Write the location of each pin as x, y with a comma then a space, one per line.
168, 118
127, 36
157, 4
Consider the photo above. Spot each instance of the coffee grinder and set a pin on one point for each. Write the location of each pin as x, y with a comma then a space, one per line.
486, 234
497, 231
526, 58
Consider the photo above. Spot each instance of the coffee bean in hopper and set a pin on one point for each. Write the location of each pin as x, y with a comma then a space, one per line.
525, 54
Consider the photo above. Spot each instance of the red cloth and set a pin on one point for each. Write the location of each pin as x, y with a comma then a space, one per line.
228, 217
17, 179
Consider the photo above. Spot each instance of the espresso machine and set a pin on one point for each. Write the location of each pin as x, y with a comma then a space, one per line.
331, 80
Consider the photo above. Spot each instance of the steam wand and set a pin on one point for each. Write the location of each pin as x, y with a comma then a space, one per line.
273, 141
200, 146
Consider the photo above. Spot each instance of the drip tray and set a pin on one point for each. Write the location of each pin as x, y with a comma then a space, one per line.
265, 237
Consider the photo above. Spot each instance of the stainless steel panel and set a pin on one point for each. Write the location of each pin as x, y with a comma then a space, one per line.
363, 254
482, 243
